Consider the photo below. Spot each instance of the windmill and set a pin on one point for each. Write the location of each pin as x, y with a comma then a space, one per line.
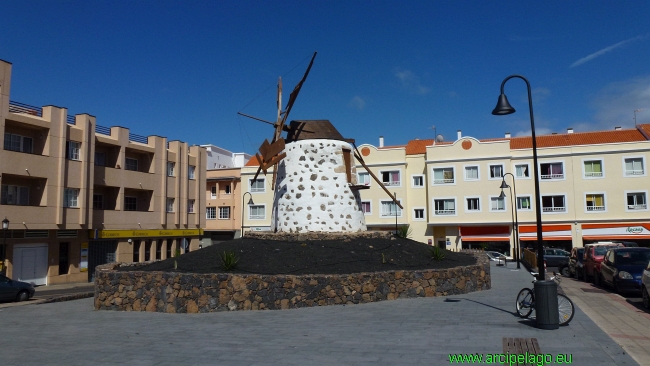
314, 177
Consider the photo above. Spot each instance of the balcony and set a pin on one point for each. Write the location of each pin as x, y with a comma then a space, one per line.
553, 209
552, 176
595, 208
634, 172
594, 174
16, 107
393, 183
637, 207
443, 181
445, 212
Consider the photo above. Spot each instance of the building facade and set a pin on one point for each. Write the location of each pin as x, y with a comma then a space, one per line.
78, 194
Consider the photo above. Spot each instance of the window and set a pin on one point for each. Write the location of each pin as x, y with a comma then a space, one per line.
497, 204
63, 258
257, 186
636, 201
210, 213
256, 212
136, 250
224, 213
18, 143
522, 171
226, 189
100, 158
170, 205
471, 173
551, 171
389, 208
595, 202
390, 178
634, 166
98, 201
523, 203
553, 204
366, 207
364, 179
170, 168
190, 171
15, 195
445, 206
418, 213
70, 196
130, 203
593, 168
443, 176
131, 164
72, 150
473, 204
496, 171
190, 206
417, 181
213, 191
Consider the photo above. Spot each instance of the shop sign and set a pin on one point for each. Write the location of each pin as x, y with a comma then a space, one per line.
634, 230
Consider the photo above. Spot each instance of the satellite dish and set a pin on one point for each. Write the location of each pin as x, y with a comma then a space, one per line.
439, 138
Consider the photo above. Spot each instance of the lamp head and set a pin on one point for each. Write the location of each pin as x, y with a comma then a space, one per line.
502, 195
503, 107
504, 185
250, 201
5, 224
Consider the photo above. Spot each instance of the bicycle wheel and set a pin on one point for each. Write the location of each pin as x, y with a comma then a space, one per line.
565, 309
525, 302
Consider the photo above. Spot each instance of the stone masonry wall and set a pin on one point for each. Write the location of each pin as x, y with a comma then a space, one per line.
202, 293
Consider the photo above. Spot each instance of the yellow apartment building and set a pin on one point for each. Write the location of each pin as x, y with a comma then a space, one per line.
77, 194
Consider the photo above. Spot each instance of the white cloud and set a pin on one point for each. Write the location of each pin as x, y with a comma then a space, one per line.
606, 50
615, 104
538, 132
411, 82
357, 103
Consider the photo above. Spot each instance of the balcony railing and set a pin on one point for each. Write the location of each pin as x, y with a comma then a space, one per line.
71, 119
16, 107
445, 212
594, 174
595, 208
634, 172
637, 207
443, 181
553, 209
103, 130
394, 183
552, 176
256, 217
138, 138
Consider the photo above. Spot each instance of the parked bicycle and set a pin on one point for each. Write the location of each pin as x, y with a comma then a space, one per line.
526, 302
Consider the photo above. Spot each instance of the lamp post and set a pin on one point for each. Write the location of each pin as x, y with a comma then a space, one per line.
545, 291
5, 227
515, 220
250, 202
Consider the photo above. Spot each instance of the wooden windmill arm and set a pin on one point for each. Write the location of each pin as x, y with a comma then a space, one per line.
358, 157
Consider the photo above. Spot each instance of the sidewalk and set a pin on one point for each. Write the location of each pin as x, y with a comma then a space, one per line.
422, 331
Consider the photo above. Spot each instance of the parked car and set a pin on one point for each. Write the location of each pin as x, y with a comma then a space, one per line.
575, 262
495, 256
11, 290
622, 268
645, 284
593, 256
556, 257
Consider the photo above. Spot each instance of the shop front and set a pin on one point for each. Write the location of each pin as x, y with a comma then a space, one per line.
554, 236
494, 238
638, 232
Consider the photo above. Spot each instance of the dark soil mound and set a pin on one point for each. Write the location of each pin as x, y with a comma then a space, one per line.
271, 257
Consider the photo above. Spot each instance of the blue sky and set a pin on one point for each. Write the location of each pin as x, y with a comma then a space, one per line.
183, 69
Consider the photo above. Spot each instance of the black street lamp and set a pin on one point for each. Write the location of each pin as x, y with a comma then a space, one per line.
515, 220
545, 291
5, 227
250, 202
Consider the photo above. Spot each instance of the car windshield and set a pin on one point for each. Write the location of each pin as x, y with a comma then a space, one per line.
632, 258
602, 249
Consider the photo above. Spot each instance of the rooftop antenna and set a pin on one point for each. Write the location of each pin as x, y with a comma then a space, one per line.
434, 133
636, 110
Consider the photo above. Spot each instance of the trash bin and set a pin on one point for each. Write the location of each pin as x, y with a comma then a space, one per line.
546, 311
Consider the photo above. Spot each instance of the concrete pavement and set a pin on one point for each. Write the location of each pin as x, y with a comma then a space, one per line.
420, 331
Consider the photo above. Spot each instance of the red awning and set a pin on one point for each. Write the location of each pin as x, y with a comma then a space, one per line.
484, 233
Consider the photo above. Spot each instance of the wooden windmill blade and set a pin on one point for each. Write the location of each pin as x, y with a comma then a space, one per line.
294, 94
381, 184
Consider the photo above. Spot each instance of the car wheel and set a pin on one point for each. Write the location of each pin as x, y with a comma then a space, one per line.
22, 296
646, 298
565, 272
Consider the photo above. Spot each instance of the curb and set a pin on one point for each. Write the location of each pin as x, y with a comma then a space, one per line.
61, 298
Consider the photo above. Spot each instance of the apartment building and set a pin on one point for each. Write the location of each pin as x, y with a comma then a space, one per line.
77, 194
223, 210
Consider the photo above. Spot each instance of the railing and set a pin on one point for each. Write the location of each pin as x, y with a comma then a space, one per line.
637, 207
103, 130
553, 209
15, 107
443, 181
595, 208
71, 119
388, 184
445, 212
552, 176
594, 174
256, 217
138, 138
634, 172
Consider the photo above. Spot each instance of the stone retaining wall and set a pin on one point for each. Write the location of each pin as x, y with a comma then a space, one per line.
200, 293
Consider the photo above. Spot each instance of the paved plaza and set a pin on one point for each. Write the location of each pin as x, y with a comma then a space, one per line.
420, 331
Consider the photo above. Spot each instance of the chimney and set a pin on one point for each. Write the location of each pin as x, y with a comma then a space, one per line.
617, 128
460, 134
507, 135
381, 141
569, 130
